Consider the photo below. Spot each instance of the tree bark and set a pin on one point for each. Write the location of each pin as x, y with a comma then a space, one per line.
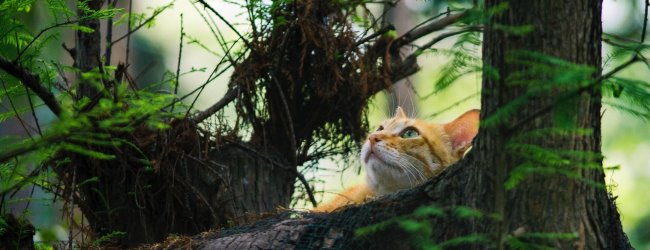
545, 203
88, 48
549, 203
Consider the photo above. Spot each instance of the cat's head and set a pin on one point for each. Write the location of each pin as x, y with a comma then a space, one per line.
404, 152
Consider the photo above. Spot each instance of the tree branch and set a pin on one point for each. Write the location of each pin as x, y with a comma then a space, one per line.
33, 82
13, 107
409, 65
32, 146
20, 54
338, 229
178, 65
376, 34
227, 98
440, 24
131, 31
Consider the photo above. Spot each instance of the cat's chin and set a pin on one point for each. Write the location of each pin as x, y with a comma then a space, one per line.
383, 177
374, 163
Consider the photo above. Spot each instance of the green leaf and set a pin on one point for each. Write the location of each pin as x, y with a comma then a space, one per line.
467, 212
85, 151
370, 229
410, 225
84, 29
467, 239
425, 211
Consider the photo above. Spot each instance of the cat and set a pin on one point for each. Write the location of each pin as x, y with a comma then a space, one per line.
404, 152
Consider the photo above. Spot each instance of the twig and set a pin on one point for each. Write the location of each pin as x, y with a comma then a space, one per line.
409, 65
376, 34
613, 43
446, 13
374, 22
206, 5
33, 82
39, 35
22, 182
428, 29
454, 105
31, 106
17, 43
58, 85
205, 20
227, 98
20, 120
71, 203
445, 35
207, 82
227, 54
217, 35
178, 65
31, 196
308, 190
109, 34
176, 100
43, 141
291, 132
131, 31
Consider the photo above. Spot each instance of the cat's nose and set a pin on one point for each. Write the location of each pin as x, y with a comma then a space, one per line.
374, 138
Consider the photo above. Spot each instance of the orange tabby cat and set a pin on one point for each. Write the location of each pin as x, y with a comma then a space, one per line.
404, 152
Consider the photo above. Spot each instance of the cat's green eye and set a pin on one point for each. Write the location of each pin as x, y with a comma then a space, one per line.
410, 133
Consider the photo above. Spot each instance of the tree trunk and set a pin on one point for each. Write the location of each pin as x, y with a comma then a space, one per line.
188, 189
539, 205
545, 203
88, 48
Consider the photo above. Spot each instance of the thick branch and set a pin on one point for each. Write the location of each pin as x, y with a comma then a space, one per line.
409, 66
337, 230
33, 82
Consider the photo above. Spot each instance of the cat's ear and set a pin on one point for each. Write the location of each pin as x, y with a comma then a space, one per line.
399, 113
461, 131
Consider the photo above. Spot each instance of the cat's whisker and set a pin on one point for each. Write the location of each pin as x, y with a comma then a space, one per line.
419, 172
407, 165
412, 181
419, 169
407, 171
411, 96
